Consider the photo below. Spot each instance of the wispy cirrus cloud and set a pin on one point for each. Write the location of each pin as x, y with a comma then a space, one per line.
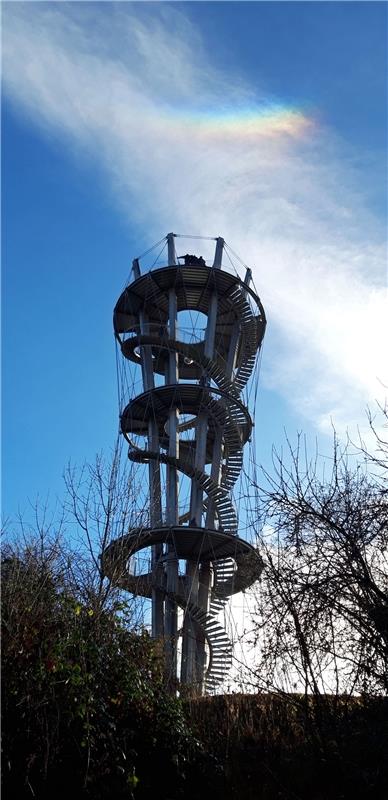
186, 147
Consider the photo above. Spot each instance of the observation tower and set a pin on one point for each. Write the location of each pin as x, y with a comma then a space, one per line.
190, 332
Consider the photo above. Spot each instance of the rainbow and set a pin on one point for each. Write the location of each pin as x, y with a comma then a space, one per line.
268, 121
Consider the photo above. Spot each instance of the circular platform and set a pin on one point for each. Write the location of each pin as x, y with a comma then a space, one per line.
157, 403
203, 545
194, 287
200, 544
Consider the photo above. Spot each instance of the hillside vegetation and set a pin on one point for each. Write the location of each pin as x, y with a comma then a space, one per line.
89, 713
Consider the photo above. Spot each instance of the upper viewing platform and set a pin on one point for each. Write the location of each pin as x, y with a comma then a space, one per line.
143, 308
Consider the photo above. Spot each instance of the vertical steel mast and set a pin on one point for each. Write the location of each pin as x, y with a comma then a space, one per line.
189, 424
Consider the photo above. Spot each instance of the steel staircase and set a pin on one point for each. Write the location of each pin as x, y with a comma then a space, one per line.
218, 397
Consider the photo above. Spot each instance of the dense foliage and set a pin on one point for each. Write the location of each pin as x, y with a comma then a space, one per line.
86, 710
293, 747
87, 713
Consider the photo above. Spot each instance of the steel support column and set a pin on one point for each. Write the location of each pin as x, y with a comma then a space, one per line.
171, 613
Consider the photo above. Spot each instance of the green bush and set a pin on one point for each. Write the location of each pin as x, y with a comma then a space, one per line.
86, 709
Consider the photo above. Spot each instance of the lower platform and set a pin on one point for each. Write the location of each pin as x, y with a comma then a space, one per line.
202, 545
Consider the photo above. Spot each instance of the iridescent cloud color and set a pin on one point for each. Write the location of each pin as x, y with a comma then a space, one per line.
268, 121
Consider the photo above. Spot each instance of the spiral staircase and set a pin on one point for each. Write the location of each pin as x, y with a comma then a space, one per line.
201, 396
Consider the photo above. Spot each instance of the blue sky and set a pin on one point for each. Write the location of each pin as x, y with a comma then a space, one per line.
261, 122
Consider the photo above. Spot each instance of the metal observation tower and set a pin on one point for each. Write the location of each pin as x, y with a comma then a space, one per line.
192, 331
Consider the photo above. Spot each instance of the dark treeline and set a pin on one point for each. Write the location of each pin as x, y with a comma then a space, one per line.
88, 711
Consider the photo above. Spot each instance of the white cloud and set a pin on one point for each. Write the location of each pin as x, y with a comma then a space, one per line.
121, 83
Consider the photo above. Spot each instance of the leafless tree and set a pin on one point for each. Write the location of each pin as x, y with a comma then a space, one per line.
322, 607
99, 505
